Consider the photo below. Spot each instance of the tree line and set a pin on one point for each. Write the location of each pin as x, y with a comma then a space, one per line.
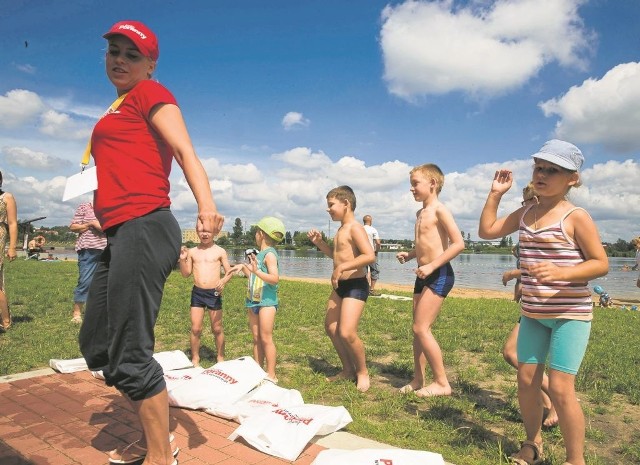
243, 236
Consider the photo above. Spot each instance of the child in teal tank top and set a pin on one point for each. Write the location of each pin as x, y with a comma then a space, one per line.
262, 292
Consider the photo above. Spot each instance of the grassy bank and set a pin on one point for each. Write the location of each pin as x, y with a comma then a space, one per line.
478, 425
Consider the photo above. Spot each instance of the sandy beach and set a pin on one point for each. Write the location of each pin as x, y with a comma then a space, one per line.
390, 288
460, 292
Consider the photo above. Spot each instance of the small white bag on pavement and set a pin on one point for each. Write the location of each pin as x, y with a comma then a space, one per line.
224, 382
173, 360
284, 432
377, 457
266, 397
68, 366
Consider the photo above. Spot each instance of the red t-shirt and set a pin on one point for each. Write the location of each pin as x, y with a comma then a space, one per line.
133, 162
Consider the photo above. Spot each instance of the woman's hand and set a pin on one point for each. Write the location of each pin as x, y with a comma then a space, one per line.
209, 221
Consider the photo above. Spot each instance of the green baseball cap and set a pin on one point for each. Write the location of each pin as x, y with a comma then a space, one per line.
273, 227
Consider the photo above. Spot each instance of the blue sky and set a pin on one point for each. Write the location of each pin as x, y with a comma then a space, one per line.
286, 99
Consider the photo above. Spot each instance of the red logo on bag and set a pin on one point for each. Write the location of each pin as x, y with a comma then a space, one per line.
384, 462
220, 375
292, 417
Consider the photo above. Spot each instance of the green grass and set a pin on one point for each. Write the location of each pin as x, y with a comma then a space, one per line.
480, 424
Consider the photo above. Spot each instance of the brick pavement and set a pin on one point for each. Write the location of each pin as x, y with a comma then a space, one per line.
64, 419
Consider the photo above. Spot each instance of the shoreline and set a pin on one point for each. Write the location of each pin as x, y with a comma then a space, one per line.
460, 292
457, 292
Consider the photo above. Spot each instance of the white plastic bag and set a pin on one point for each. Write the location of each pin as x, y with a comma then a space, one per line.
284, 432
168, 360
68, 366
172, 360
224, 382
266, 397
377, 457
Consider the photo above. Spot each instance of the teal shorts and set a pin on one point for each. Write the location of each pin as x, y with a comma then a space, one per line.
563, 341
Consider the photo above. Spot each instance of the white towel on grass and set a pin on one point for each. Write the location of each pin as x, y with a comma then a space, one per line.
378, 457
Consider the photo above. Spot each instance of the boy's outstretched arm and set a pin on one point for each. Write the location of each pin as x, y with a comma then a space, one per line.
228, 270
186, 263
315, 237
492, 227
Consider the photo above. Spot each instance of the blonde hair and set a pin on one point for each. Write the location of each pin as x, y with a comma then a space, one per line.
343, 193
635, 241
528, 192
430, 171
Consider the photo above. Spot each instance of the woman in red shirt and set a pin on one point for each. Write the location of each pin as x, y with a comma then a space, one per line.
133, 146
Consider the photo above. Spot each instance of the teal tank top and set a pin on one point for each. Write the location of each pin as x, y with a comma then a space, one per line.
259, 293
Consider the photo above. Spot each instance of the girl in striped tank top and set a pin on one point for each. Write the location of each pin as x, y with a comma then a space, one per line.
560, 251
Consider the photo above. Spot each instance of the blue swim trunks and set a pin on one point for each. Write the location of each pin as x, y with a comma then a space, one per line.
355, 288
206, 298
440, 281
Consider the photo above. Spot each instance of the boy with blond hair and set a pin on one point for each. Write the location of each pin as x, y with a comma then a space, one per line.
351, 254
205, 262
437, 241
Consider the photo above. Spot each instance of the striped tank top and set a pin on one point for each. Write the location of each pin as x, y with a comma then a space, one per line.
559, 299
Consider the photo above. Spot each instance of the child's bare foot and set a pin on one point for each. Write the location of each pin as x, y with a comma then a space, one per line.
412, 386
220, 358
195, 362
363, 383
434, 389
342, 376
551, 419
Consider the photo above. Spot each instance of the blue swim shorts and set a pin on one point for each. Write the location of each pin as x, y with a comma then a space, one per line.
355, 288
206, 298
440, 281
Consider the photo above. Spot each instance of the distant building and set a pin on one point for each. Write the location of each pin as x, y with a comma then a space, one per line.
390, 246
191, 235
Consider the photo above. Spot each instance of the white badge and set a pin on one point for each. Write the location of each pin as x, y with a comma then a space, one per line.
81, 183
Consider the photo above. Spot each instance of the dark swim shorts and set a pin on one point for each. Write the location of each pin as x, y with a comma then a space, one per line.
356, 288
206, 298
440, 281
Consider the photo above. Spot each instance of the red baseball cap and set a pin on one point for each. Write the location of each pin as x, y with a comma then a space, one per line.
140, 35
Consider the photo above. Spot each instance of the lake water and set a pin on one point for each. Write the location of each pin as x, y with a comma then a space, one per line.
472, 271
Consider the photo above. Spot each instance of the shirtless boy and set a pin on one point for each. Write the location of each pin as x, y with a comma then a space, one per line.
205, 262
351, 254
438, 241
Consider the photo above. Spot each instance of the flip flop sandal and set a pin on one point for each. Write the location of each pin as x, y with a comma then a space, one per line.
134, 453
537, 454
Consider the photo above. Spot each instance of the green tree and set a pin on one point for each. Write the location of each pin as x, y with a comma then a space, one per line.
238, 230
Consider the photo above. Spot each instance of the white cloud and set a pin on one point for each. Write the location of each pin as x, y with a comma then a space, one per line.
30, 159
294, 119
482, 49
296, 193
26, 68
62, 126
19, 106
604, 111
